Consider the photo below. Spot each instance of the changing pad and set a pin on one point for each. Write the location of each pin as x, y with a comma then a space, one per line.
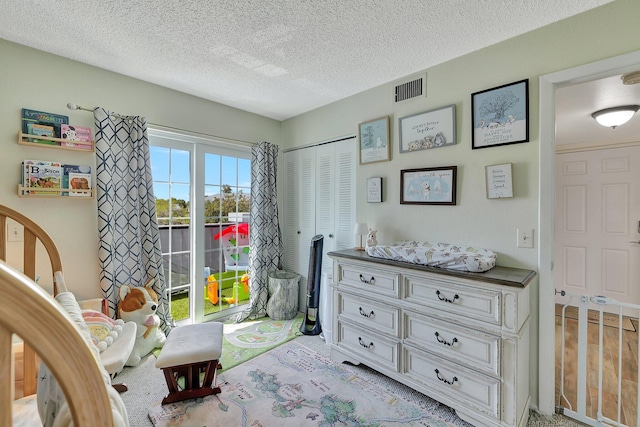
442, 255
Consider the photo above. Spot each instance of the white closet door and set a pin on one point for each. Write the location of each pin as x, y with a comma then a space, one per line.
290, 212
326, 200
345, 197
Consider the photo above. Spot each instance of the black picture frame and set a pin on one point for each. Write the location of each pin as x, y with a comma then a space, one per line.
428, 186
500, 115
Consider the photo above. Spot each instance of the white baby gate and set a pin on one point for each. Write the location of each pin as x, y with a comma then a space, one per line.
580, 388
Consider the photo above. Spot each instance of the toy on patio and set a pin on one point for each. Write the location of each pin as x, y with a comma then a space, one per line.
212, 290
240, 292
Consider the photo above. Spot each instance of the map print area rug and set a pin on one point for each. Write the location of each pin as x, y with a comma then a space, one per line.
293, 385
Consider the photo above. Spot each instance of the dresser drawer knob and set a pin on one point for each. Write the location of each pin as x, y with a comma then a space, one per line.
363, 344
444, 380
365, 314
443, 341
441, 298
368, 282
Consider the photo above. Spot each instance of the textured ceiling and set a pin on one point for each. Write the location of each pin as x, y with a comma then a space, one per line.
276, 58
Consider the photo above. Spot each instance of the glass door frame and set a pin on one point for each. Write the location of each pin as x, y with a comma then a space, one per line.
198, 146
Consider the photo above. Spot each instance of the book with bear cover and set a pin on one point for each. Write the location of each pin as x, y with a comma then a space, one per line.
76, 177
39, 174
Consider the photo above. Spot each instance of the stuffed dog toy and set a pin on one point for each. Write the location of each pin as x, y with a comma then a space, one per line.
139, 305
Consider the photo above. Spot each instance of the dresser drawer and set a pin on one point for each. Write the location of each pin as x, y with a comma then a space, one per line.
457, 343
369, 345
472, 389
376, 281
475, 303
368, 314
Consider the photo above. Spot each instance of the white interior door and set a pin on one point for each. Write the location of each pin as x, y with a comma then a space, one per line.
597, 234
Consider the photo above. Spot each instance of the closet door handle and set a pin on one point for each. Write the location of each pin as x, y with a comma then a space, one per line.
331, 236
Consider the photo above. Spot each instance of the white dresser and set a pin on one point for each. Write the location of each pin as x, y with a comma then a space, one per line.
460, 338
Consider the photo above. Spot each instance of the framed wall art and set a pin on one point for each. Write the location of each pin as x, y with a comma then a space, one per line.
499, 181
428, 186
374, 190
500, 115
431, 129
374, 140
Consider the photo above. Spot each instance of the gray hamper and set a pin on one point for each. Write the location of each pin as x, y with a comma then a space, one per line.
283, 295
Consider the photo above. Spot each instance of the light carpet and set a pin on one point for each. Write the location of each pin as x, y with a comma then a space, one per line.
244, 341
293, 385
147, 387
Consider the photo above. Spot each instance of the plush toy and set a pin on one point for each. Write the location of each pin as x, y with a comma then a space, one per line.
139, 305
371, 238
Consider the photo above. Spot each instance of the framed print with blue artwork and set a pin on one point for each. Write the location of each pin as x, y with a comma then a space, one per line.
428, 186
500, 115
374, 140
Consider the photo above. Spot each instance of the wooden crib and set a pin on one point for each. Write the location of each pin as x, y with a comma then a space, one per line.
30, 312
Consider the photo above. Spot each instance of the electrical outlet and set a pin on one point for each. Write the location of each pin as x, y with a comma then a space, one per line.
15, 232
525, 238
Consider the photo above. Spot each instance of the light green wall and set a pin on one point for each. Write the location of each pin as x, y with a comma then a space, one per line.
601, 33
34, 79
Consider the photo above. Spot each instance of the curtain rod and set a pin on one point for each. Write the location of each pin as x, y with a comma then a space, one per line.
72, 106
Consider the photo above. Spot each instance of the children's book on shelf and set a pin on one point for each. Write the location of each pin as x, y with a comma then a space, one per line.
41, 130
76, 136
78, 179
43, 118
40, 174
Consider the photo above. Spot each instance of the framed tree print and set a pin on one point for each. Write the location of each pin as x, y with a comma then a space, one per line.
500, 115
374, 140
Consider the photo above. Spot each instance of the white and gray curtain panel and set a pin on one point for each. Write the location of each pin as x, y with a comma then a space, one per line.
129, 251
265, 239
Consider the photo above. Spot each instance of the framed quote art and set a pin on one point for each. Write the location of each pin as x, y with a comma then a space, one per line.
431, 129
500, 115
374, 190
374, 140
499, 181
428, 186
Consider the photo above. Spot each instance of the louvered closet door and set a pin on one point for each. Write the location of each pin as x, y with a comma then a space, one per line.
345, 194
326, 200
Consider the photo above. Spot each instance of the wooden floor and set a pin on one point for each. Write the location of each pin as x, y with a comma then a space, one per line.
611, 371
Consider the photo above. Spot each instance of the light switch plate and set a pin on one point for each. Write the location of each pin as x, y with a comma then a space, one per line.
525, 238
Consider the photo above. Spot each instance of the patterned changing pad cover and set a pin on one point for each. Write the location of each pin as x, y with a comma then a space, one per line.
442, 255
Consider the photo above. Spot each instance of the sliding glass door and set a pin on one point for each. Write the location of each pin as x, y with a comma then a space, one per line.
203, 191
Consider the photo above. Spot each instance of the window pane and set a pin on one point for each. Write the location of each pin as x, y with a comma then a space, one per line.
244, 173
159, 163
180, 170
212, 169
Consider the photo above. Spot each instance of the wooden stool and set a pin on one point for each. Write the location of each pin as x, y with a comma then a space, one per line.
188, 351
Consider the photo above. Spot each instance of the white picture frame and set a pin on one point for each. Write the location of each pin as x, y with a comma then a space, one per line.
374, 190
499, 180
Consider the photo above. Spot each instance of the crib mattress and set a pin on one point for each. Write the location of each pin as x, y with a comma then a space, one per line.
441, 255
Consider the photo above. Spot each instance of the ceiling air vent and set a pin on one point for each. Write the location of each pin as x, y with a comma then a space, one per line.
410, 89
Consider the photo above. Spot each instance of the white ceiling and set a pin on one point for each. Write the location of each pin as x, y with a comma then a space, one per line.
276, 58
574, 105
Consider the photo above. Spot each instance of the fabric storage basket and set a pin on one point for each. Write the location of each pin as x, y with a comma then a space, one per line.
283, 295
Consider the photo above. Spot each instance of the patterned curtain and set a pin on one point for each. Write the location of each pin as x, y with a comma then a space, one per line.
129, 251
265, 239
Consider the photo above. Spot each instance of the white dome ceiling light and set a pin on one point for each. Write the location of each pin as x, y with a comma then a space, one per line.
615, 116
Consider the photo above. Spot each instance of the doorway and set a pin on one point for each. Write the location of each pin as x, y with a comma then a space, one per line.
548, 85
